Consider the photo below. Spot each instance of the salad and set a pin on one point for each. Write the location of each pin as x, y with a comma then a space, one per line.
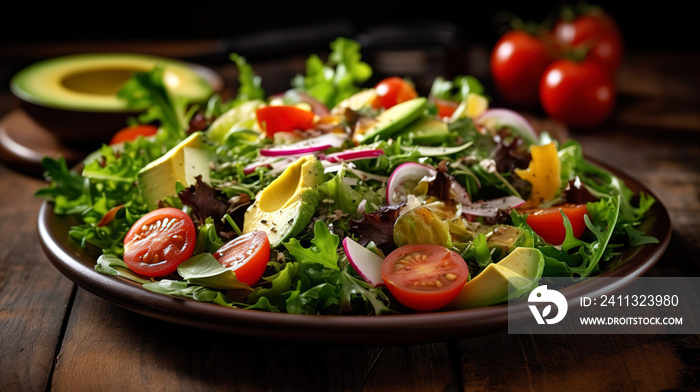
335, 197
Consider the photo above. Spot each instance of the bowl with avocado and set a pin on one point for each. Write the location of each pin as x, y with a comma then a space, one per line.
75, 97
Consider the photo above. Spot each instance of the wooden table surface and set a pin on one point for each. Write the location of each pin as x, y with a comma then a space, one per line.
56, 336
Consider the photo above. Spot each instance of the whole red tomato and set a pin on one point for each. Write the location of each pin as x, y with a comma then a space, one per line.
392, 91
597, 33
517, 62
578, 94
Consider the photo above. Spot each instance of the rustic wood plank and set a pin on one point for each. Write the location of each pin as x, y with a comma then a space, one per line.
506, 362
34, 296
106, 346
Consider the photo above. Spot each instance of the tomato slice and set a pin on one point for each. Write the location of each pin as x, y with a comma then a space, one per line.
392, 91
246, 255
444, 107
283, 118
132, 132
549, 224
424, 277
158, 242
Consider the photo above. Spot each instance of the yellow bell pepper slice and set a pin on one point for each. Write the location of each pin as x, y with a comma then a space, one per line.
543, 173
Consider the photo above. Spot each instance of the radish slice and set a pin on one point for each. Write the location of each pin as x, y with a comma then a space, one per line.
491, 207
353, 155
307, 146
437, 151
496, 118
410, 171
367, 263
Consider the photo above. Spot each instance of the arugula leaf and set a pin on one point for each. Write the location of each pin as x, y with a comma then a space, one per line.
324, 248
578, 258
62, 181
280, 284
146, 90
182, 289
352, 288
312, 300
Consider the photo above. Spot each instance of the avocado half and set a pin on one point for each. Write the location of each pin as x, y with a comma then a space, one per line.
75, 96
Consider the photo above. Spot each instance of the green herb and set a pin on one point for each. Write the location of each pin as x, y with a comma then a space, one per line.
324, 248
204, 270
146, 90
339, 77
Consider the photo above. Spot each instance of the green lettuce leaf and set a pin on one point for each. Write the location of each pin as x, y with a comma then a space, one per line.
337, 79
324, 248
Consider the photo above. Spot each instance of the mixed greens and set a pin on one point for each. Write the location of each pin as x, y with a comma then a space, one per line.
444, 170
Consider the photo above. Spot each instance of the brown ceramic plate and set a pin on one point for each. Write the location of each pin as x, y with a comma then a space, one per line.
78, 265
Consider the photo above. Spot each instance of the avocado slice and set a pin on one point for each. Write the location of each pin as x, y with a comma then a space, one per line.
393, 119
183, 163
237, 118
510, 278
426, 131
508, 238
284, 207
90, 82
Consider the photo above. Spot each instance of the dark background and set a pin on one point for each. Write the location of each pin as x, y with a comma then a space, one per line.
667, 25
258, 29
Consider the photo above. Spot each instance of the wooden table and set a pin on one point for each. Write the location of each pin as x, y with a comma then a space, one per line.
56, 336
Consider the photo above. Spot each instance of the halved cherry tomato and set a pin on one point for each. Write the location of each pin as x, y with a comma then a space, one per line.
424, 277
131, 132
283, 118
549, 224
158, 242
246, 255
391, 91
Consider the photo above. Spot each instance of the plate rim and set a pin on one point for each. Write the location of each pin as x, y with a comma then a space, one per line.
75, 264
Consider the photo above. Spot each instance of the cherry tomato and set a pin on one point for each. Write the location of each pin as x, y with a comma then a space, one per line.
246, 255
549, 224
595, 32
283, 118
445, 108
424, 277
517, 62
391, 91
158, 242
130, 133
578, 94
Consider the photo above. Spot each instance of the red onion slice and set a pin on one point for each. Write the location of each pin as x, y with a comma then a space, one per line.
353, 155
490, 208
315, 144
496, 118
